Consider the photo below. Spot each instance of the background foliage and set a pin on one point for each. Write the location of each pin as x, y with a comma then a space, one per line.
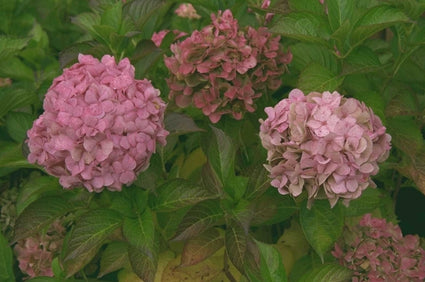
205, 203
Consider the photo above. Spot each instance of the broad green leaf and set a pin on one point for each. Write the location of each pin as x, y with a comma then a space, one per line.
327, 272
235, 241
374, 20
200, 248
373, 100
199, 219
112, 16
11, 156
362, 60
305, 54
236, 186
405, 134
179, 193
140, 231
177, 123
210, 181
10, 46
6, 260
271, 266
368, 201
307, 6
139, 11
89, 234
272, 208
13, 98
35, 188
220, 152
322, 225
113, 258
339, 11
86, 21
170, 221
144, 261
17, 124
303, 26
318, 78
258, 182
39, 214
145, 56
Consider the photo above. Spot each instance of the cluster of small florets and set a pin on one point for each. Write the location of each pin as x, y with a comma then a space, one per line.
100, 125
323, 143
35, 254
377, 251
186, 10
222, 69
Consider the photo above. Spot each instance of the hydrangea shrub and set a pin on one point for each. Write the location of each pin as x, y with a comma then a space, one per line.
324, 144
100, 125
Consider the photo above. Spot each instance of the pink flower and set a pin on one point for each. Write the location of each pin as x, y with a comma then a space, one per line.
100, 125
157, 37
186, 10
323, 143
35, 254
222, 69
377, 251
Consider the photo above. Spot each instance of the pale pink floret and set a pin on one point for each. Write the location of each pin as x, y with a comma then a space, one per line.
377, 251
100, 125
222, 69
186, 10
35, 254
323, 143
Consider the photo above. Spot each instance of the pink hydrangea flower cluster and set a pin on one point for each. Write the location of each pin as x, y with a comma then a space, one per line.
222, 69
323, 143
158, 37
377, 251
100, 125
35, 254
186, 10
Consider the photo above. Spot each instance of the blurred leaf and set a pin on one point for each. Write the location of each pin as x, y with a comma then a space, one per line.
327, 272
17, 124
139, 231
112, 16
198, 219
258, 182
6, 260
113, 258
139, 11
40, 214
322, 225
200, 248
177, 123
9, 46
318, 78
235, 241
405, 134
305, 54
306, 6
89, 234
14, 97
11, 156
220, 152
145, 56
339, 11
87, 21
374, 20
368, 201
33, 189
362, 60
14, 68
272, 209
144, 261
271, 266
303, 26
179, 193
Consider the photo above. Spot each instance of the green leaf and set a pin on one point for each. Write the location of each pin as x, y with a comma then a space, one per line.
113, 258
179, 193
39, 214
272, 208
87, 21
271, 266
374, 20
10, 46
35, 188
140, 11
362, 60
220, 152
304, 27
327, 272
145, 56
202, 247
405, 134
235, 241
89, 234
373, 100
199, 219
112, 16
6, 260
339, 11
368, 201
236, 186
305, 54
140, 231
177, 123
306, 6
318, 78
322, 225
13, 98
17, 124
258, 182
11, 156
144, 261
